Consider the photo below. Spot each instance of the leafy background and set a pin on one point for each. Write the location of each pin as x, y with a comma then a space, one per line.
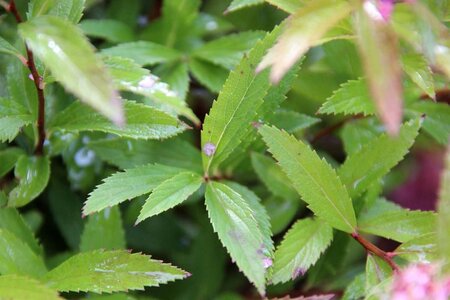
251, 187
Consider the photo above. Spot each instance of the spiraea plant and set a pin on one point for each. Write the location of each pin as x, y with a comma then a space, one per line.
279, 149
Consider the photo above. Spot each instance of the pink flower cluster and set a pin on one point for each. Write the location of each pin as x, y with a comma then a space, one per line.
420, 282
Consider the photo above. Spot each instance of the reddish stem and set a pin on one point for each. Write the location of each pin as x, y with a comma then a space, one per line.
329, 130
37, 83
386, 256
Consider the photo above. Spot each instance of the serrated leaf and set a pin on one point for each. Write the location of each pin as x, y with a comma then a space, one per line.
144, 53
292, 121
301, 247
7, 48
436, 119
129, 76
239, 4
444, 213
416, 67
227, 51
173, 29
14, 287
110, 30
12, 221
125, 153
232, 113
143, 122
13, 116
272, 176
9, 157
289, 6
377, 271
127, 185
422, 249
393, 222
259, 213
71, 59
233, 221
70, 10
170, 193
106, 224
39, 7
110, 271
17, 258
211, 76
357, 133
313, 179
176, 74
352, 97
376, 158
33, 173
305, 28
379, 50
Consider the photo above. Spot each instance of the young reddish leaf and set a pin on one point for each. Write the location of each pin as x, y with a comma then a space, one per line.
379, 51
304, 29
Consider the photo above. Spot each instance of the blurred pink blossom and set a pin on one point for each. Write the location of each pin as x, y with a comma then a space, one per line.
420, 282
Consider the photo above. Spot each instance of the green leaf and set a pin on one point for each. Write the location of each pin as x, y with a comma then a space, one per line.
417, 68
176, 23
232, 113
388, 220
282, 212
377, 271
356, 289
33, 173
13, 116
12, 221
292, 121
70, 10
110, 271
7, 48
176, 74
376, 158
239, 4
170, 193
436, 119
71, 59
39, 7
379, 50
259, 213
125, 153
304, 30
301, 247
351, 98
17, 258
129, 76
289, 6
233, 220
357, 133
313, 178
422, 249
270, 173
143, 122
110, 30
9, 157
227, 51
144, 53
127, 185
444, 213
208, 74
13, 287
107, 225
65, 207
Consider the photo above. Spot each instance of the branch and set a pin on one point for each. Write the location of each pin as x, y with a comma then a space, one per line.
329, 130
387, 257
37, 79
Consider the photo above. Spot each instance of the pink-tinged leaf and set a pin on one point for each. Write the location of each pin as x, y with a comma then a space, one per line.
314, 297
379, 51
303, 31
